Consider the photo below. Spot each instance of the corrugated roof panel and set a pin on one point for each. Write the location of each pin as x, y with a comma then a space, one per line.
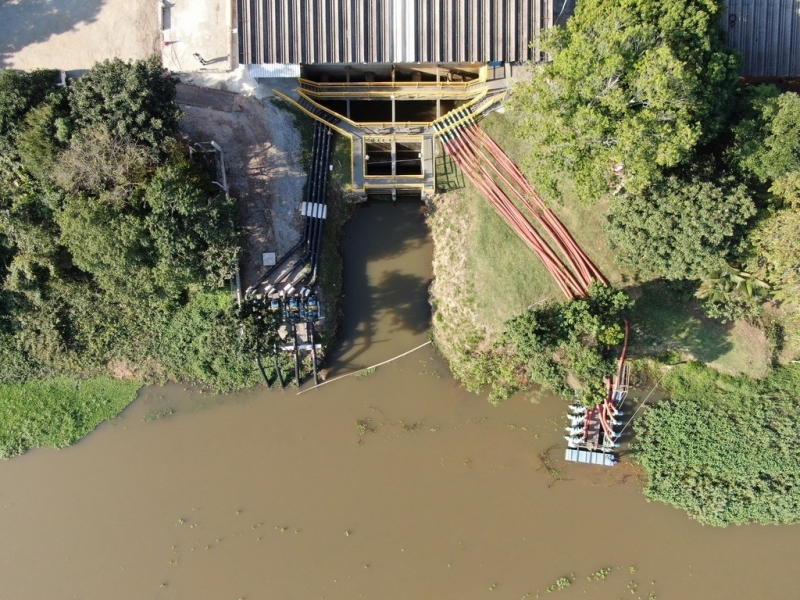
360, 31
767, 33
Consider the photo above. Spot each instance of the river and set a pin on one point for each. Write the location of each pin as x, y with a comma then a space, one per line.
268, 494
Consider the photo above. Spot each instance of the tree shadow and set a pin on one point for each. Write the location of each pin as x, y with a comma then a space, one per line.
402, 298
396, 300
665, 318
26, 22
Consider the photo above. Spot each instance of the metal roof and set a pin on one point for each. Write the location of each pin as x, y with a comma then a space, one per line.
366, 31
767, 33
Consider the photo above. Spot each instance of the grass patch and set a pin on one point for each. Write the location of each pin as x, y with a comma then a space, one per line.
342, 174
667, 320
509, 276
58, 412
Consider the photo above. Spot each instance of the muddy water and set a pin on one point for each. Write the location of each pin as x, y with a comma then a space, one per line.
274, 495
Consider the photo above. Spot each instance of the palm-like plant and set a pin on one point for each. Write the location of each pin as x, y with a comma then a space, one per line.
728, 284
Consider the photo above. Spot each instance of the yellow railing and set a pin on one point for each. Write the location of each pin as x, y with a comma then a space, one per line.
321, 85
334, 127
452, 113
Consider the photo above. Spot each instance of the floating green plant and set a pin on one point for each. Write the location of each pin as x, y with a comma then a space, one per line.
560, 584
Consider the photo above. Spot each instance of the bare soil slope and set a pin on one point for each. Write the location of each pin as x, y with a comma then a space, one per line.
263, 158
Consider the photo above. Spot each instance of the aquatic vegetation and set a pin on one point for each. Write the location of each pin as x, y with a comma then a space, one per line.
599, 575
158, 415
724, 448
58, 412
365, 372
560, 584
364, 427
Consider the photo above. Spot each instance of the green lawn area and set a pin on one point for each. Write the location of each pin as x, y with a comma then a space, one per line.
58, 412
669, 321
508, 276
502, 276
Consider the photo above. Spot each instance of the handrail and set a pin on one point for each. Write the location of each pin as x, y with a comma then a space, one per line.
331, 125
399, 94
325, 109
452, 113
393, 84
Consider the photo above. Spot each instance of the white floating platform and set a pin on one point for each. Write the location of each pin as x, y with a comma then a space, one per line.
591, 457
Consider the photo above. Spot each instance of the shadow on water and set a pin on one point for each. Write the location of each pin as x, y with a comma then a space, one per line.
26, 22
387, 263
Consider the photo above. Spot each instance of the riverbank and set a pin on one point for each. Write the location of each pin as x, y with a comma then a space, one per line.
485, 275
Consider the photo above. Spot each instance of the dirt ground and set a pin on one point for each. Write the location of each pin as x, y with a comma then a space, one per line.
74, 34
262, 155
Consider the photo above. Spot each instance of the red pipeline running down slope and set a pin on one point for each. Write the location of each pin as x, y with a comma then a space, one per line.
474, 166
495, 175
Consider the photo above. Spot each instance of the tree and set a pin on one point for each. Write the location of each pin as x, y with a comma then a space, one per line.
552, 342
730, 293
133, 100
634, 87
680, 227
98, 160
776, 246
19, 92
724, 449
767, 139
190, 222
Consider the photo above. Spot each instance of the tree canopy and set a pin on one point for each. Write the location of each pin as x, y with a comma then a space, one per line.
634, 87
680, 227
134, 100
109, 232
767, 140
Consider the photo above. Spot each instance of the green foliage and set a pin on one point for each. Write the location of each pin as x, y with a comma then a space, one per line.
58, 412
172, 232
191, 223
550, 343
134, 100
110, 236
259, 326
776, 242
99, 161
19, 92
679, 227
202, 344
38, 142
634, 87
767, 140
730, 293
724, 449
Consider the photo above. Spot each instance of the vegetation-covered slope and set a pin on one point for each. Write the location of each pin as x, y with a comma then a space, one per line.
112, 241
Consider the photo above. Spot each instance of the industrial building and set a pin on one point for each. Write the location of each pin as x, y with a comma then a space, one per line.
381, 72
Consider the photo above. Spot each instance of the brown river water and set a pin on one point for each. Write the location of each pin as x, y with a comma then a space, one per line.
268, 494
